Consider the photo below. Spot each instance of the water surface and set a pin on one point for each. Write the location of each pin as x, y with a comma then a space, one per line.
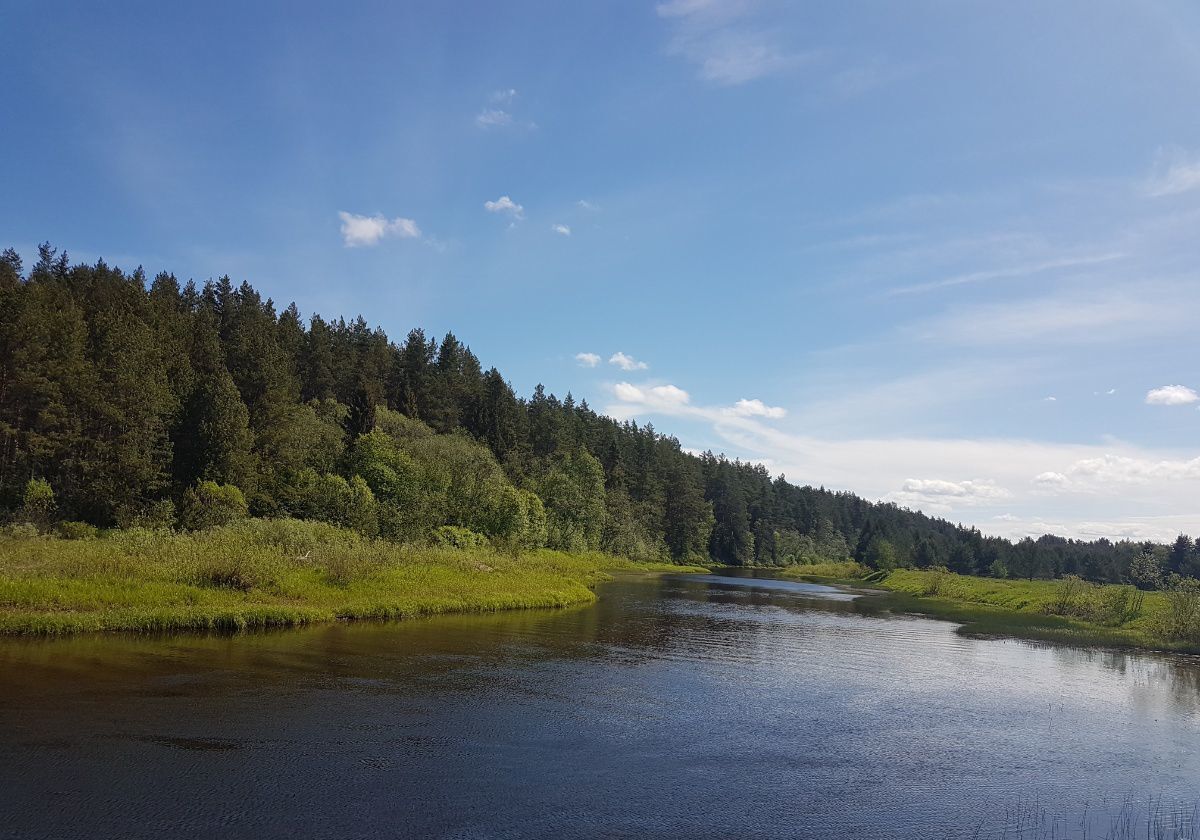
682, 706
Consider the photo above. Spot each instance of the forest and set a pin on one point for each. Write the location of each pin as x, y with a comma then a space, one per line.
128, 403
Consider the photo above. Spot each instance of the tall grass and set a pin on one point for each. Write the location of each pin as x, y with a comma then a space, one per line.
1068, 609
261, 573
842, 571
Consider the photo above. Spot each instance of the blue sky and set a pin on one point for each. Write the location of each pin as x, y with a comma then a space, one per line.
938, 253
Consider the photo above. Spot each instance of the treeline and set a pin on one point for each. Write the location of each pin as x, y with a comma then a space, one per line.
127, 402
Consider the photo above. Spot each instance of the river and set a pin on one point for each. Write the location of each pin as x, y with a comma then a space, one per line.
676, 706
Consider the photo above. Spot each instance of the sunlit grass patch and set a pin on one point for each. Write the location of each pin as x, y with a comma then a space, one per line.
1064, 610
840, 571
265, 573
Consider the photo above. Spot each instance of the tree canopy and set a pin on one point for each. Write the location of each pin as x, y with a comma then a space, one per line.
124, 400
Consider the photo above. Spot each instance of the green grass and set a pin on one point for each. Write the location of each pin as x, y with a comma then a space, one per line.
265, 573
846, 570
1040, 609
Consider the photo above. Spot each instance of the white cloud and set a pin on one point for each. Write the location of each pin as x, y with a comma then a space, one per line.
626, 362
587, 359
493, 118
1049, 399
756, 408
504, 204
1176, 172
584, 204
561, 229
940, 495
670, 394
654, 398
1172, 395
629, 393
1107, 470
1075, 490
359, 231
504, 97
1051, 480
978, 489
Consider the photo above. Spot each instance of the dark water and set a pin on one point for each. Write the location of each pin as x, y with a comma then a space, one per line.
675, 707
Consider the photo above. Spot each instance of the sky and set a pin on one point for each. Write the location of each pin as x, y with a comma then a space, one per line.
938, 253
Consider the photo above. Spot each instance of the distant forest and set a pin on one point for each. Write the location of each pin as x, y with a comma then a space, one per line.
131, 403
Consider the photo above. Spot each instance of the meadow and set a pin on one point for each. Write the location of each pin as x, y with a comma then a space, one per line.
1066, 610
268, 573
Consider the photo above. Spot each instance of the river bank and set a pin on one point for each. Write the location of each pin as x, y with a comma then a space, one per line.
1067, 610
273, 573
548, 723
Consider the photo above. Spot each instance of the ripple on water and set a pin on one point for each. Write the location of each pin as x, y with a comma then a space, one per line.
682, 706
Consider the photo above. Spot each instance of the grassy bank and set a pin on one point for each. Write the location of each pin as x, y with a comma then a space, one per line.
264, 573
1069, 611
845, 571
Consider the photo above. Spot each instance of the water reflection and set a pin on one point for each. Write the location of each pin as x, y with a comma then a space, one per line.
681, 705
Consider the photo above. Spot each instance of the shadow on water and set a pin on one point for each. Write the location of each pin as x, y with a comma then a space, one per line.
680, 705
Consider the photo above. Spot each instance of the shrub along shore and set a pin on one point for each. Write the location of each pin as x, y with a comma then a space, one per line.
272, 573
1067, 610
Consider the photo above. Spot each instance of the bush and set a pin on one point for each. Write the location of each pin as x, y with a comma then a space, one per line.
208, 505
452, 536
1069, 596
937, 579
1183, 618
21, 530
37, 503
154, 516
1146, 571
1108, 605
77, 531
327, 497
1117, 605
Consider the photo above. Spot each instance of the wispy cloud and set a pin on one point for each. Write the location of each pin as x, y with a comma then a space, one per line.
505, 205
498, 113
626, 362
1074, 316
726, 42
365, 231
1175, 171
493, 118
561, 229
1009, 273
588, 360
584, 204
1172, 395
